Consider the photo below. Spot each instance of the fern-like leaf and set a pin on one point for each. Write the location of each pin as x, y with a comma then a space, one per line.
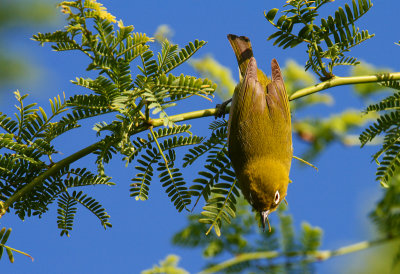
221, 206
216, 140
339, 32
140, 186
383, 123
171, 178
66, 213
387, 123
182, 55
182, 87
93, 206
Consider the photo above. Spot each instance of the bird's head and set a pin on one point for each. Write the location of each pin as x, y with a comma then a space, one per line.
267, 182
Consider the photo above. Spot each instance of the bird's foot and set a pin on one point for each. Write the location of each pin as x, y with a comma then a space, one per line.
221, 109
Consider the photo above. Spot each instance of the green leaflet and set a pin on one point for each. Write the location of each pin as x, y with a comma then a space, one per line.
328, 41
388, 156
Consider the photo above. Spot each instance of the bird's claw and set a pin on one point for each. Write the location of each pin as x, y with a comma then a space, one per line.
221, 109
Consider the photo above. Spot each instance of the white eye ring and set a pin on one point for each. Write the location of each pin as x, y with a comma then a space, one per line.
277, 197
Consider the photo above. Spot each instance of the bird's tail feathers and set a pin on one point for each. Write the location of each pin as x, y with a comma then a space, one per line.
242, 47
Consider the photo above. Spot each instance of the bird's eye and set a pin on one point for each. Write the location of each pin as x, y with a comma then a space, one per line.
277, 197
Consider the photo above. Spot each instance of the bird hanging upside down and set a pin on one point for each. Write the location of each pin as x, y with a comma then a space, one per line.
259, 132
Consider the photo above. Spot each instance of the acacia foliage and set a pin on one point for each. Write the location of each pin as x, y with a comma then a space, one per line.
328, 40
30, 181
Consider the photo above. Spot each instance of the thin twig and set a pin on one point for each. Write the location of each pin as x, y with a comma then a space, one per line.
311, 256
18, 251
305, 162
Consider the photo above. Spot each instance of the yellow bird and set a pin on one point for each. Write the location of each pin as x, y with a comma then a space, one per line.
259, 132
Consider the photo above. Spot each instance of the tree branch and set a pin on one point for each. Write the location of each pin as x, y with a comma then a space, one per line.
311, 256
336, 81
340, 81
187, 116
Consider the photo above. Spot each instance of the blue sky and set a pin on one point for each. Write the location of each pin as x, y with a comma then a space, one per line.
337, 198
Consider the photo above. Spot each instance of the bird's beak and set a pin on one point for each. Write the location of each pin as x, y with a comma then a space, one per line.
264, 218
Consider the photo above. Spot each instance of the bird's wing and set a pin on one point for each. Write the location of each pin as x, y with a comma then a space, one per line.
279, 88
279, 115
246, 115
